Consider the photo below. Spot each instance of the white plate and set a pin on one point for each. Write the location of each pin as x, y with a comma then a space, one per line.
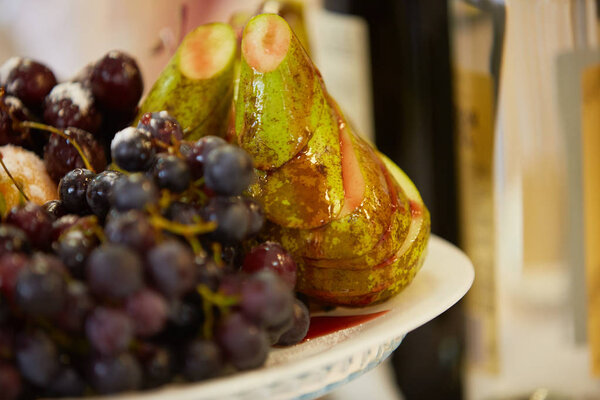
312, 368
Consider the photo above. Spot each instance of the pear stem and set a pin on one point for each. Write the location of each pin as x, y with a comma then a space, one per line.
14, 181
63, 134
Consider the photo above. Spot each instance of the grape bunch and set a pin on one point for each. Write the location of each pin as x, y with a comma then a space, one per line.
142, 273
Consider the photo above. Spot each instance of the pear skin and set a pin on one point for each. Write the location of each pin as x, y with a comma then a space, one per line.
196, 86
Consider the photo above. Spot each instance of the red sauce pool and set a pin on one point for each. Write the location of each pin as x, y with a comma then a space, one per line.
323, 325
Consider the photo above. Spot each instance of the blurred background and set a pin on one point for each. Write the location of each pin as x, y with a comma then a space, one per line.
491, 106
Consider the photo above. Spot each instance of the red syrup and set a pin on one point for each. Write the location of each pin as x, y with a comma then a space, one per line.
323, 325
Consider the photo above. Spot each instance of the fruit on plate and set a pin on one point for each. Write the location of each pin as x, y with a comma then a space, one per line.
196, 87
352, 219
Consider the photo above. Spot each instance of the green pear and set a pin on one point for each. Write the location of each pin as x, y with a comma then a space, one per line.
196, 86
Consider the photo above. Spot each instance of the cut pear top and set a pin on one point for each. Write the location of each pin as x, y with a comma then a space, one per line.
207, 51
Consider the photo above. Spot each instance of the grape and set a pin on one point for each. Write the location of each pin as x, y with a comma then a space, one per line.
13, 240
161, 126
114, 272
133, 192
244, 344
195, 153
99, 191
132, 149
109, 331
271, 256
116, 82
148, 311
202, 359
299, 327
171, 266
71, 104
132, 229
171, 172
209, 273
228, 170
231, 216
157, 364
109, 375
78, 304
67, 383
63, 224
34, 221
55, 209
183, 213
73, 248
10, 382
184, 320
11, 265
12, 112
72, 189
60, 156
266, 299
41, 289
37, 358
257, 216
30, 81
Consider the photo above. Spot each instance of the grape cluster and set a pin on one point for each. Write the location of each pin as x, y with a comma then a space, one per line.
143, 273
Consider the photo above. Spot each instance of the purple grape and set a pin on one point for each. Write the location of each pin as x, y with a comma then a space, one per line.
63, 224
299, 327
148, 310
245, 345
266, 299
72, 190
209, 273
171, 266
60, 156
109, 331
34, 221
114, 272
28, 80
55, 209
10, 382
41, 290
99, 191
133, 192
257, 216
231, 216
13, 112
161, 126
183, 213
202, 359
71, 104
109, 375
157, 363
184, 321
67, 383
271, 256
171, 172
132, 149
78, 305
228, 170
37, 358
132, 229
116, 82
13, 240
11, 265
195, 153
73, 248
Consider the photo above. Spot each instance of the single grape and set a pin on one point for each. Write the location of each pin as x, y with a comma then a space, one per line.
266, 299
29, 80
63, 224
299, 327
13, 112
55, 209
34, 221
171, 266
202, 359
67, 382
195, 153
157, 362
148, 310
99, 191
109, 330
132, 149
133, 192
183, 213
60, 156
271, 256
109, 375
116, 82
228, 170
161, 127
244, 344
257, 216
231, 216
71, 104
132, 229
171, 172
114, 272
72, 190
37, 358
10, 382
73, 248
13, 240
41, 289
78, 305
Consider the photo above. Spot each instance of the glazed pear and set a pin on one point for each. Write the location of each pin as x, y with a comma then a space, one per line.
196, 86
329, 197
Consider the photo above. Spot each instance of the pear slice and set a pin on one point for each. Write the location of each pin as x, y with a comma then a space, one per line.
196, 86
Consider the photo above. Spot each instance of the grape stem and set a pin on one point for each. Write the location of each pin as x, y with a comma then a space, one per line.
182, 229
12, 178
210, 299
62, 134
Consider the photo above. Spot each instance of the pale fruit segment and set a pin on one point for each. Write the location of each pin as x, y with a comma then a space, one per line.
29, 172
196, 86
